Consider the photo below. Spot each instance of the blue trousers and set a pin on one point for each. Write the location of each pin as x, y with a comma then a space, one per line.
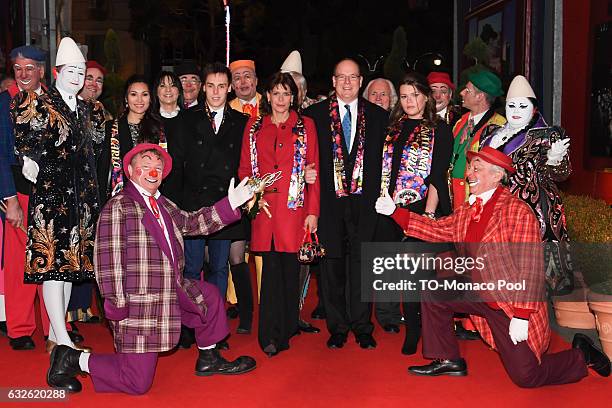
218, 257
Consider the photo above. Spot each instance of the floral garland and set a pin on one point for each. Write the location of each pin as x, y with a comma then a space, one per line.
415, 164
387, 155
295, 197
340, 185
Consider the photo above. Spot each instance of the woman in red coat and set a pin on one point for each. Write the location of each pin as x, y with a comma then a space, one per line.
281, 141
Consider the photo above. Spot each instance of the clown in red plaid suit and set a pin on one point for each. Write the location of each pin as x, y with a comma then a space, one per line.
138, 263
516, 326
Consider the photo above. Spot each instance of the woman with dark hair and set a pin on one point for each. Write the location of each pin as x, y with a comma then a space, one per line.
167, 98
281, 140
138, 123
415, 159
540, 156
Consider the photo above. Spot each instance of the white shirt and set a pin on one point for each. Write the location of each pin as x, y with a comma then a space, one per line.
486, 196
353, 108
218, 116
157, 194
70, 100
442, 113
169, 115
252, 101
477, 118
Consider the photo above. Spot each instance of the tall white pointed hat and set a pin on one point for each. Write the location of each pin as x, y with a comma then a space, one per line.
519, 87
68, 53
292, 63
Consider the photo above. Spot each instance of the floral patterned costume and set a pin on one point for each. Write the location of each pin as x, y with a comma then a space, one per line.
63, 206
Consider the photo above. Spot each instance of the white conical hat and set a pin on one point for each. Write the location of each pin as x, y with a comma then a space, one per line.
519, 87
68, 53
293, 63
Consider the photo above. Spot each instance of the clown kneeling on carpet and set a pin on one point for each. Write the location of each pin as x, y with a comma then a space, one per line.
516, 327
138, 265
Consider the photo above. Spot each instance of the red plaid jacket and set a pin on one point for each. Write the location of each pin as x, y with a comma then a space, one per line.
512, 222
139, 276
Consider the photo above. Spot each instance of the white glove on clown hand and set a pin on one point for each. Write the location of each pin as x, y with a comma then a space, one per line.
30, 169
519, 330
557, 151
240, 194
385, 204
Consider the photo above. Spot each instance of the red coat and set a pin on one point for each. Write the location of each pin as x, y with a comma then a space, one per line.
275, 150
512, 221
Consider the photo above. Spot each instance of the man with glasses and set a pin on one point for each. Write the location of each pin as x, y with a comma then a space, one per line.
244, 82
442, 89
189, 74
351, 131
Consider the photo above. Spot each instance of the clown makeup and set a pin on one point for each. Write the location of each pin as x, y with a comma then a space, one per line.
482, 176
70, 78
442, 94
27, 74
519, 111
146, 170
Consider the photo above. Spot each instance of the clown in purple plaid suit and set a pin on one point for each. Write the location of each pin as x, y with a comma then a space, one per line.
138, 264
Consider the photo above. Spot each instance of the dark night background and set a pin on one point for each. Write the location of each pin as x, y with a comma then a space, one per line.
322, 30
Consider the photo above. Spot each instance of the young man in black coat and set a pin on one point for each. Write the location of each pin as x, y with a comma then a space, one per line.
351, 132
206, 153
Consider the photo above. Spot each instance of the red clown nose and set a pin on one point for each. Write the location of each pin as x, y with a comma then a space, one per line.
153, 173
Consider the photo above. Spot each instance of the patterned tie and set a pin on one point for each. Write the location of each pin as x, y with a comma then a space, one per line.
468, 130
155, 210
346, 127
212, 118
249, 109
477, 208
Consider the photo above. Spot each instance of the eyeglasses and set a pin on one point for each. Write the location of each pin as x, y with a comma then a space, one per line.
98, 81
190, 81
351, 78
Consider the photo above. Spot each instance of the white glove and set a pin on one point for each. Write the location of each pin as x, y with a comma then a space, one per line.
30, 169
519, 330
240, 194
557, 151
385, 204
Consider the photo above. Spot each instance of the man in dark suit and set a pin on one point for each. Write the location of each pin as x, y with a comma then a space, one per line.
351, 132
207, 152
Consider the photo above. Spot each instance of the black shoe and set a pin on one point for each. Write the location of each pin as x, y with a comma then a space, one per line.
75, 337
187, 337
64, 368
413, 334
594, 358
391, 328
464, 334
3, 328
22, 343
243, 330
232, 312
210, 362
441, 367
306, 327
222, 345
271, 350
319, 313
366, 341
336, 341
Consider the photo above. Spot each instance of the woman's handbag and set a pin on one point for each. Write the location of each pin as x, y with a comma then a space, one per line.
310, 250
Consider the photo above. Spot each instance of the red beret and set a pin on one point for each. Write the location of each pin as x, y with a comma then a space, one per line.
141, 147
440, 78
493, 156
95, 64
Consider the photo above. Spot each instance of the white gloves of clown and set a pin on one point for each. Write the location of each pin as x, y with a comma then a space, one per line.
557, 151
239, 194
30, 169
519, 330
385, 204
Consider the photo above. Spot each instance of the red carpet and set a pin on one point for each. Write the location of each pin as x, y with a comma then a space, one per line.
310, 375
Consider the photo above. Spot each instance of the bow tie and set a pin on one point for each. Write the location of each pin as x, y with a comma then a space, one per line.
477, 208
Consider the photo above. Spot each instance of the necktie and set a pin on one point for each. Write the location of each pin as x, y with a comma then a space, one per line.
477, 208
155, 210
248, 109
214, 124
468, 130
346, 127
